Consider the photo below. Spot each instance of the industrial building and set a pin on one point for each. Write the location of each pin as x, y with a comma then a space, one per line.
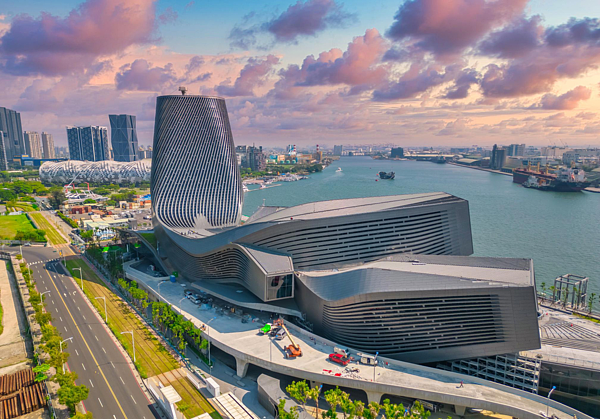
381, 274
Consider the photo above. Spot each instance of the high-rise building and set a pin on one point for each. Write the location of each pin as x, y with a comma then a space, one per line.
516, 150
194, 130
10, 125
61, 152
256, 159
33, 144
3, 162
498, 157
123, 137
88, 143
337, 150
48, 146
149, 152
397, 153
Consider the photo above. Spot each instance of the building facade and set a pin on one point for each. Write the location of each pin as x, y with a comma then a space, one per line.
337, 150
124, 137
48, 146
192, 134
3, 161
498, 157
33, 145
10, 125
97, 172
88, 143
397, 153
515, 150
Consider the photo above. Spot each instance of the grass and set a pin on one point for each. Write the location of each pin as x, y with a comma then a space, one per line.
586, 317
53, 235
151, 356
20, 206
150, 238
192, 399
9, 224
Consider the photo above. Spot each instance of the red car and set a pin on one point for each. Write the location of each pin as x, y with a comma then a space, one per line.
339, 359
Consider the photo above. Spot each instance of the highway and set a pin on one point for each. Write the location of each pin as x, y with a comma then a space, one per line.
94, 356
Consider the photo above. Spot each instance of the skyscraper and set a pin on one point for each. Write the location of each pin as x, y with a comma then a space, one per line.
88, 143
498, 157
516, 150
123, 137
337, 150
33, 145
191, 134
10, 125
48, 146
3, 162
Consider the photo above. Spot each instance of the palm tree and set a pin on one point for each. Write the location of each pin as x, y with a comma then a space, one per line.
591, 302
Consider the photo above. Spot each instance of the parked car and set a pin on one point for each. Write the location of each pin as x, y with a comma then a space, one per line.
265, 329
339, 359
274, 331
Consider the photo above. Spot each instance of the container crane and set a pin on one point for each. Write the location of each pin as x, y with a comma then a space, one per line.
293, 350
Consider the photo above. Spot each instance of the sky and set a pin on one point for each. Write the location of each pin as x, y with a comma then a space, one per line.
307, 72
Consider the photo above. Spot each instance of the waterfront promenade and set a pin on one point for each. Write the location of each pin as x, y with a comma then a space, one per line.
241, 340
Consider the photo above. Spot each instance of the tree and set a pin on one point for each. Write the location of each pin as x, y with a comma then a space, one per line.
7, 195
553, 289
70, 395
87, 235
283, 414
543, 287
314, 394
392, 410
591, 302
89, 201
80, 415
299, 390
56, 198
372, 410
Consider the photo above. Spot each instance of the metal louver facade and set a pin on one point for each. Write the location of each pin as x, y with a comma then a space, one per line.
124, 137
196, 183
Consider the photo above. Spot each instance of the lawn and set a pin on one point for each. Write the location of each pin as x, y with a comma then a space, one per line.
53, 235
194, 402
9, 224
151, 356
150, 238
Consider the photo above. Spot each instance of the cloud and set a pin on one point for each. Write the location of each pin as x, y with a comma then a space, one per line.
463, 84
52, 45
575, 31
448, 27
168, 16
140, 75
251, 76
302, 19
415, 81
514, 40
566, 101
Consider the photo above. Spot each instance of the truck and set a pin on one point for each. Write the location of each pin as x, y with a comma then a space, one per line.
265, 329
367, 359
293, 350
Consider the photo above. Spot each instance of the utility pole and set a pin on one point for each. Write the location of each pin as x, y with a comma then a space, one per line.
81, 275
105, 312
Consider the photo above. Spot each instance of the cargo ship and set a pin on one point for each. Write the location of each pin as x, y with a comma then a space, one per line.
562, 180
384, 175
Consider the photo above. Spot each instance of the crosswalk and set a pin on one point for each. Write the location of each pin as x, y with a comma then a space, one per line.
44, 261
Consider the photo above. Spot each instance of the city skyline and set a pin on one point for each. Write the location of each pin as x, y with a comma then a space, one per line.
410, 73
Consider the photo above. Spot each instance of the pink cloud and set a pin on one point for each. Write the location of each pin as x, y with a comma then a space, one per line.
447, 27
515, 40
567, 101
251, 76
54, 45
140, 75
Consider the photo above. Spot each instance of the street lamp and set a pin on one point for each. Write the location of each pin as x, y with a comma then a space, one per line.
549, 394
159, 284
67, 339
81, 277
105, 312
209, 345
132, 342
180, 311
42, 295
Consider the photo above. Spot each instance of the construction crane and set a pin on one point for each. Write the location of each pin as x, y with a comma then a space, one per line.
293, 350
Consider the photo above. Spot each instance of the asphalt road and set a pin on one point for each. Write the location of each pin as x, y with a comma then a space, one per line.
114, 391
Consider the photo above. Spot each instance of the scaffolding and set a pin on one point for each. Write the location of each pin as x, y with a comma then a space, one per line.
509, 369
570, 288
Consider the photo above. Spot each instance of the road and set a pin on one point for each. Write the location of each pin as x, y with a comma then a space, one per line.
100, 365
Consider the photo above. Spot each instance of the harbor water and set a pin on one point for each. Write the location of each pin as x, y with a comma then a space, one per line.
559, 231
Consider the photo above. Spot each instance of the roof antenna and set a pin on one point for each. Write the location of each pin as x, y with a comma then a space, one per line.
183, 90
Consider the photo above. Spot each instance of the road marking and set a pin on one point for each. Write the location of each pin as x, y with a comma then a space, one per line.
133, 399
96, 337
84, 317
101, 402
91, 353
90, 327
65, 328
122, 380
78, 309
60, 319
83, 367
103, 350
93, 384
76, 352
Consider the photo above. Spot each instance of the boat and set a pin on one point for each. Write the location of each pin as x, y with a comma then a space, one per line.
440, 160
385, 175
562, 180
339, 169
245, 188
263, 186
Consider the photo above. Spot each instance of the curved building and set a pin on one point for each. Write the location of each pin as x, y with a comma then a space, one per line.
106, 171
348, 268
196, 183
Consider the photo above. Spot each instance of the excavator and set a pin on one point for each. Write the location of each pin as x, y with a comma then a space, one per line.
293, 350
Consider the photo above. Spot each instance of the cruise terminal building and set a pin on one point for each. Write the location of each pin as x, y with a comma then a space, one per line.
388, 274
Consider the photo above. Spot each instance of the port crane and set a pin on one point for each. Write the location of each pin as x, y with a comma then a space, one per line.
293, 350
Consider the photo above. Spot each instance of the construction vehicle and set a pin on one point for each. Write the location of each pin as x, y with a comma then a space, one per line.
367, 359
293, 350
265, 329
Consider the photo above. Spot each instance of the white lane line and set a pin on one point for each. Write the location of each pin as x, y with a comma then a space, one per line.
83, 367
78, 309
96, 337
84, 317
122, 380
76, 352
113, 365
133, 399
65, 328
104, 350
93, 384
90, 327
100, 402
60, 318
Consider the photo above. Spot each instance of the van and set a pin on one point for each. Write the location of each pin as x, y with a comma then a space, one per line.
341, 351
367, 359
194, 299
280, 334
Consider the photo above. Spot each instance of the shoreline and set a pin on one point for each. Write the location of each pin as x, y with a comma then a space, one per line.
481, 168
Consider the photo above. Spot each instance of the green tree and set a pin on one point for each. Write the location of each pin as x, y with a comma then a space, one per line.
79, 415
314, 394
89, 201
87, 235
543, 287
591, 302
56, 198
70, 395
284, 414
299, 390
7, 195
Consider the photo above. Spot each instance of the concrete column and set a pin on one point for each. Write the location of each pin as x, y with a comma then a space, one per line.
373, 396
460, 410
314, 384
241, 367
